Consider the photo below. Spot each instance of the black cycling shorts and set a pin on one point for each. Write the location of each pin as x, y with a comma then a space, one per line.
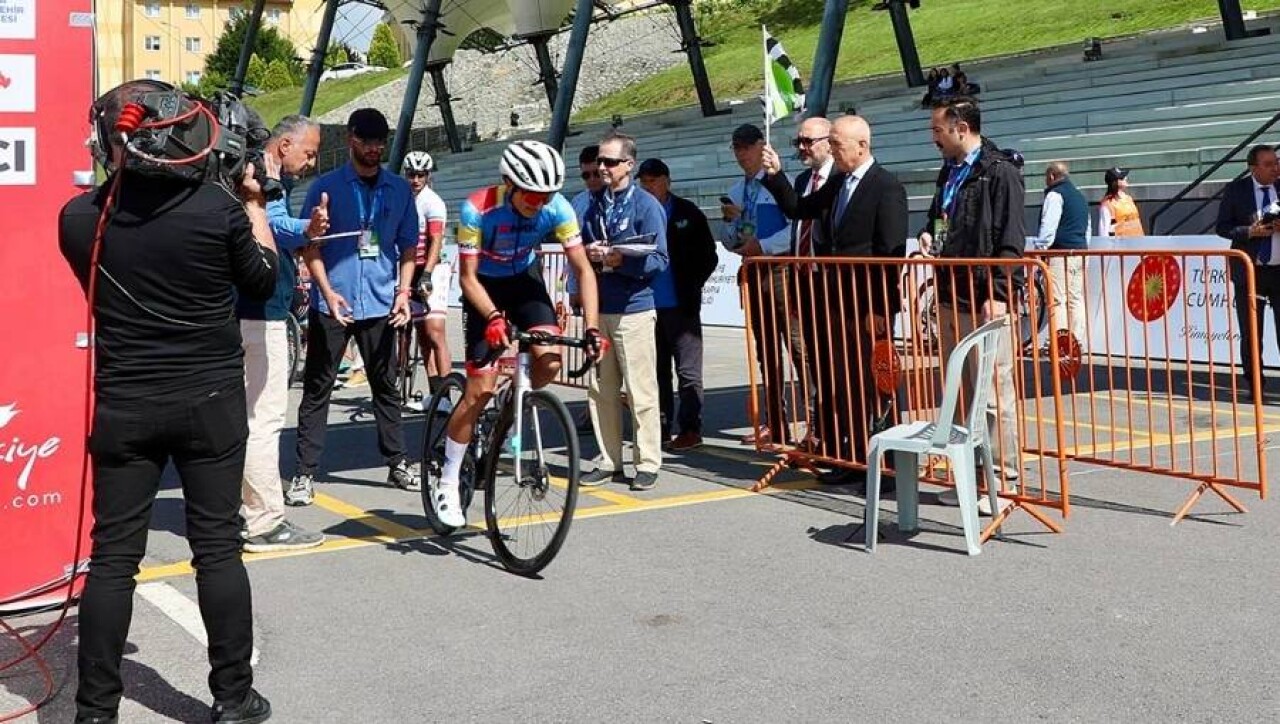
526, 303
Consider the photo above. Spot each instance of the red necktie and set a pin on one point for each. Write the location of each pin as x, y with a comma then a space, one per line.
804, 238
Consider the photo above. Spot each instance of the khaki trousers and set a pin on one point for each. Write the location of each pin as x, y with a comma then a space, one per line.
1067, 275
632, 359
1002, 402
266, 386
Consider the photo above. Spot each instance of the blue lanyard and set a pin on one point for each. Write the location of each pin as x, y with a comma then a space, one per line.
615, 208
750, 197
951, 189
366, 222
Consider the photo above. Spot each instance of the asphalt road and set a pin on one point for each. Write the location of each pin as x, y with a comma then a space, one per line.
700, 602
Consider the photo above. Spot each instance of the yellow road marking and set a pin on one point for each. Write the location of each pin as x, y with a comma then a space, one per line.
388, 528
625, 501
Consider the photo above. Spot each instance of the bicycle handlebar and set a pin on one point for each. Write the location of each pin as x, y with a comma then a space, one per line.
529, 339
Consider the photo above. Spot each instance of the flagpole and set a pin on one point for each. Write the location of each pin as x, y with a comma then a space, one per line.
768, 99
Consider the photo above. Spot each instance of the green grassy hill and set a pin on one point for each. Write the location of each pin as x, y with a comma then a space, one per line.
946, 31
331, 94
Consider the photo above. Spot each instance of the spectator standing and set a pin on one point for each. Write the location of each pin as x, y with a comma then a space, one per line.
691, 252
360, 289
977, 213
1245, 202
620, 211
290, 154
1118, 213
1064, 226
861, 211
755, 226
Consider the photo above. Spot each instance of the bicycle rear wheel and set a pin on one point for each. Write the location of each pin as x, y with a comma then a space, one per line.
438, 411
528, 517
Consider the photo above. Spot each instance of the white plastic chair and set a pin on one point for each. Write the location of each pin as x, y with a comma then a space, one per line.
960, 444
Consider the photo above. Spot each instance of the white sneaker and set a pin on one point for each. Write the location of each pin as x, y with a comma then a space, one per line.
984, 504
448, 505
443, 406
414, 405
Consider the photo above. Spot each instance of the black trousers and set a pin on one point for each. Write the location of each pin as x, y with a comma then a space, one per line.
203, 432
680, 342
1267, 286
326, 341
841, 361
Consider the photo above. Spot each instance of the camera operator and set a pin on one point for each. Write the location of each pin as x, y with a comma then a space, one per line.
290, 153
169, 385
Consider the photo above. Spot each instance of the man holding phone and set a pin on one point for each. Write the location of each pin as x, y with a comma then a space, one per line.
755, 226
625, 229
362, 277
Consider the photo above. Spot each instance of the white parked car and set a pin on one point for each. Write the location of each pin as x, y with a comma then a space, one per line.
346, 70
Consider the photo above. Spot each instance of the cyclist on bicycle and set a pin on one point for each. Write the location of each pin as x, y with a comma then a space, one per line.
430, 304
499, 232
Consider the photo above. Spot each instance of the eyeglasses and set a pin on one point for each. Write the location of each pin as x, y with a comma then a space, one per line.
371, 142
590, 175
535, 198
415, 174
611, 162
806, 141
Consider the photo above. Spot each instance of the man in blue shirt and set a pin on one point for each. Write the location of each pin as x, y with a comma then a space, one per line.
362, 277
620, 212
291, 153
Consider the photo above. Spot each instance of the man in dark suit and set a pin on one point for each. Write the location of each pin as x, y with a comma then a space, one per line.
1244, 202
860, 212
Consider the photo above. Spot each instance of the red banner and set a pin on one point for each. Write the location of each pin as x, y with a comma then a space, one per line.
46, 87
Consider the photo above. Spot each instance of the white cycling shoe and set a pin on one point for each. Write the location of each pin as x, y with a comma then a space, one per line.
448, 506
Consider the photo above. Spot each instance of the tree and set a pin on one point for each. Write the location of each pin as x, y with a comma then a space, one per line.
269, 45
335, 55
353, 55
383, 50
256, 73
277, 76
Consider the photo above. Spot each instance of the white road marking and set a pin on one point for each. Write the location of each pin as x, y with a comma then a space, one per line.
181, 610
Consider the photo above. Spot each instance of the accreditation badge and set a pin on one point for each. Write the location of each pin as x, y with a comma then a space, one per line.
368, 244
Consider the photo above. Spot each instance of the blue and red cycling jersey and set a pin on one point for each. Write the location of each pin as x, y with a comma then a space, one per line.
507, 242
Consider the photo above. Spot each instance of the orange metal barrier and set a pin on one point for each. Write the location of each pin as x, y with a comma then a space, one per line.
848, 346
1156, 381
555, 275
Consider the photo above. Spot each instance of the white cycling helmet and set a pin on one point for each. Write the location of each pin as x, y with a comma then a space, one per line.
418, 161
533, 166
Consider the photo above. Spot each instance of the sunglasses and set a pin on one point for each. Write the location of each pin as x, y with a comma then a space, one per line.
535, 198
415, 174
611, 162
801, 141
372, 142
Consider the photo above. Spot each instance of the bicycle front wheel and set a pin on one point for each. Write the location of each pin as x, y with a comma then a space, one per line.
531, 485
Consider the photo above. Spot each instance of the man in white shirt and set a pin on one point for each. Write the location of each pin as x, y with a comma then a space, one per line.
1065, 226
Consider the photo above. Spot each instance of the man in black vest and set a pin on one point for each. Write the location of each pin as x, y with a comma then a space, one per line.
691, 248
860, 212
1065, 226
1240, 219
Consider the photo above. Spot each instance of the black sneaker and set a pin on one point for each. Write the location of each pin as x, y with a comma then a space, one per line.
284, 537
403, 476
600, 476
252, 709
644, 481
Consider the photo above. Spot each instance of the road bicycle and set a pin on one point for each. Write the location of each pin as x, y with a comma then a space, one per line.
523, 454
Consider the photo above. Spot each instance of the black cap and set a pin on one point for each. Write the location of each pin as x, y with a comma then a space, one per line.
654, 168
747, 134
368, 124
1115, 174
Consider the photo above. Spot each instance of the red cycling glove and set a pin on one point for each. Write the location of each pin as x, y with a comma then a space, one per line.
496, 332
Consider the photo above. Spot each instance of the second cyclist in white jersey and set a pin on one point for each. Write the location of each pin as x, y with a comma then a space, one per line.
434, 272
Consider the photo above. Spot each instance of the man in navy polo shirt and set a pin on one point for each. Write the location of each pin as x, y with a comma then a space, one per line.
361, 280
